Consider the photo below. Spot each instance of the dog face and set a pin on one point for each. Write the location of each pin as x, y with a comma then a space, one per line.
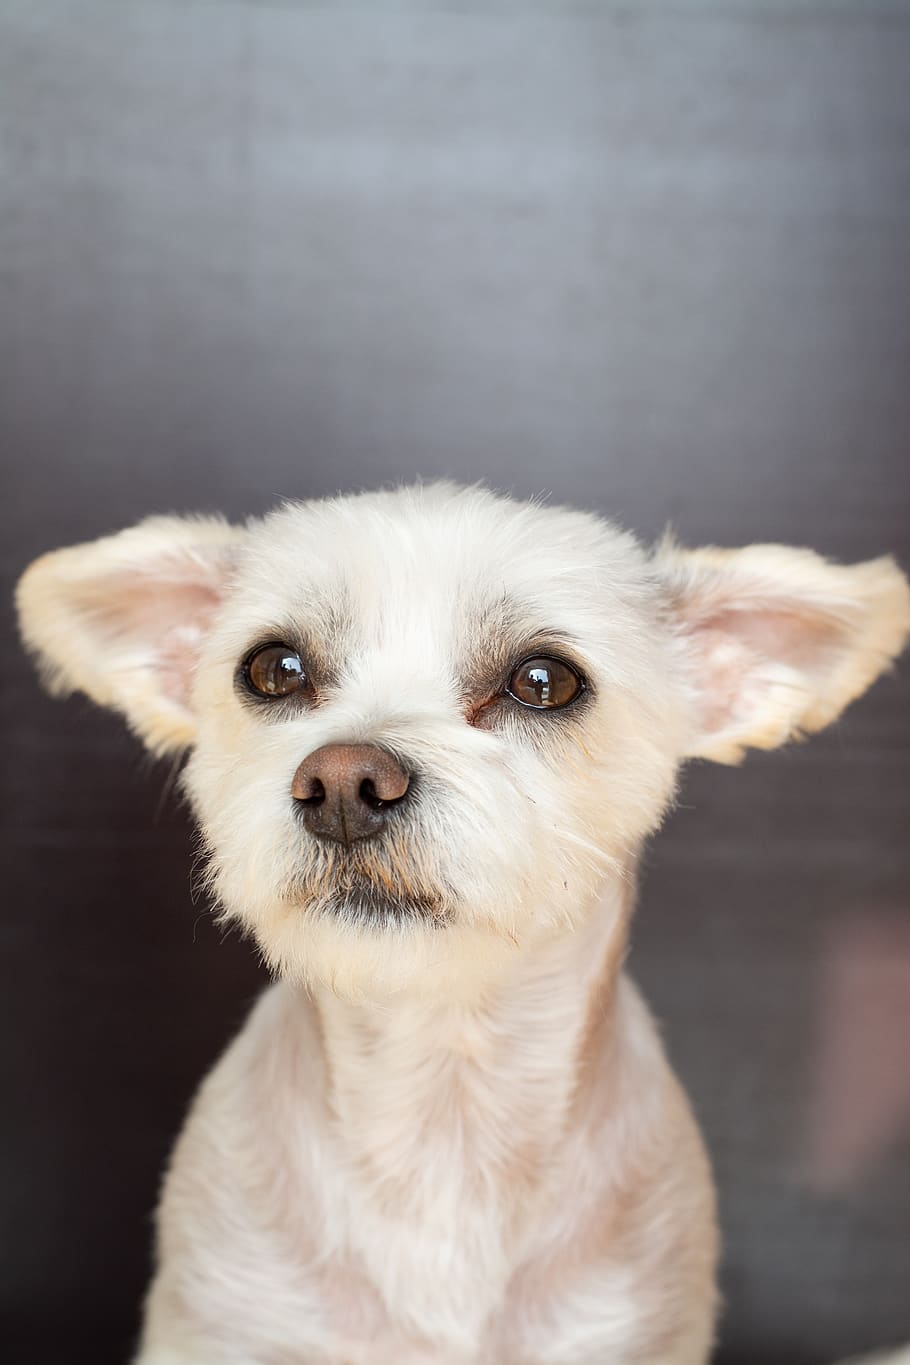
464, 636
425, 725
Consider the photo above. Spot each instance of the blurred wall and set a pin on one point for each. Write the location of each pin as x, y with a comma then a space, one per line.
648, 257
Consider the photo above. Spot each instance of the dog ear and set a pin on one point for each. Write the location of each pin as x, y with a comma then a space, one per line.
122, 618
777, 641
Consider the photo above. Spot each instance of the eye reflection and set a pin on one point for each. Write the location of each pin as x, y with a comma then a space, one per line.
544, 684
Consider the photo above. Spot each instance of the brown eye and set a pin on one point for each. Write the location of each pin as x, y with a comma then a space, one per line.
545, 684
276, 671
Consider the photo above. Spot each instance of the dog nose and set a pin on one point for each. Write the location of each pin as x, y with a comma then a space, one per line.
345, 791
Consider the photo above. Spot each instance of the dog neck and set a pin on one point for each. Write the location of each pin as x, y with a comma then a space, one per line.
496, 1082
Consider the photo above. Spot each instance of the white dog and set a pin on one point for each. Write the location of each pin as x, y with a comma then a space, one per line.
429, 731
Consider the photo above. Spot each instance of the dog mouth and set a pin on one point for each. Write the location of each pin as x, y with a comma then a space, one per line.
369, 905
369, 897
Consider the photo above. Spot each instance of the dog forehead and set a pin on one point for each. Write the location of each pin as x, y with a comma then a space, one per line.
439, 561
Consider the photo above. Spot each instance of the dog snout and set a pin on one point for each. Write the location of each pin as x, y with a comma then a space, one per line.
345, 791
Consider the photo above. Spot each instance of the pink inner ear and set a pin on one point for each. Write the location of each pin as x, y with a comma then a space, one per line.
180, 654
166, 621
801, 638
735, 647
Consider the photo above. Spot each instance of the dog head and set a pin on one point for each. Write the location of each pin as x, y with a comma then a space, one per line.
425, 725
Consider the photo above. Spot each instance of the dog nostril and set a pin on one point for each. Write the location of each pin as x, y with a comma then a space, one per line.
368, 795
315, 795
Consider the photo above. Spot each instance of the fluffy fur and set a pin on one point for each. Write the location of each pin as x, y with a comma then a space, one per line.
448, 1133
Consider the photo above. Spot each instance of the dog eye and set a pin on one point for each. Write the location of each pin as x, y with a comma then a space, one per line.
276, 671
545, 684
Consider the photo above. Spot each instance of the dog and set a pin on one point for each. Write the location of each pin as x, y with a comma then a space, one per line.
428, 732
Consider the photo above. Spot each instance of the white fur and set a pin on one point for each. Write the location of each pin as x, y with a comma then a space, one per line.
448, 1137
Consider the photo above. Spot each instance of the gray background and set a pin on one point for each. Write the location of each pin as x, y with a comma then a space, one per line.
651, 258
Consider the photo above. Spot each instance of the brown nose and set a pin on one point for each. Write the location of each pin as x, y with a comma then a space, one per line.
345, 790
